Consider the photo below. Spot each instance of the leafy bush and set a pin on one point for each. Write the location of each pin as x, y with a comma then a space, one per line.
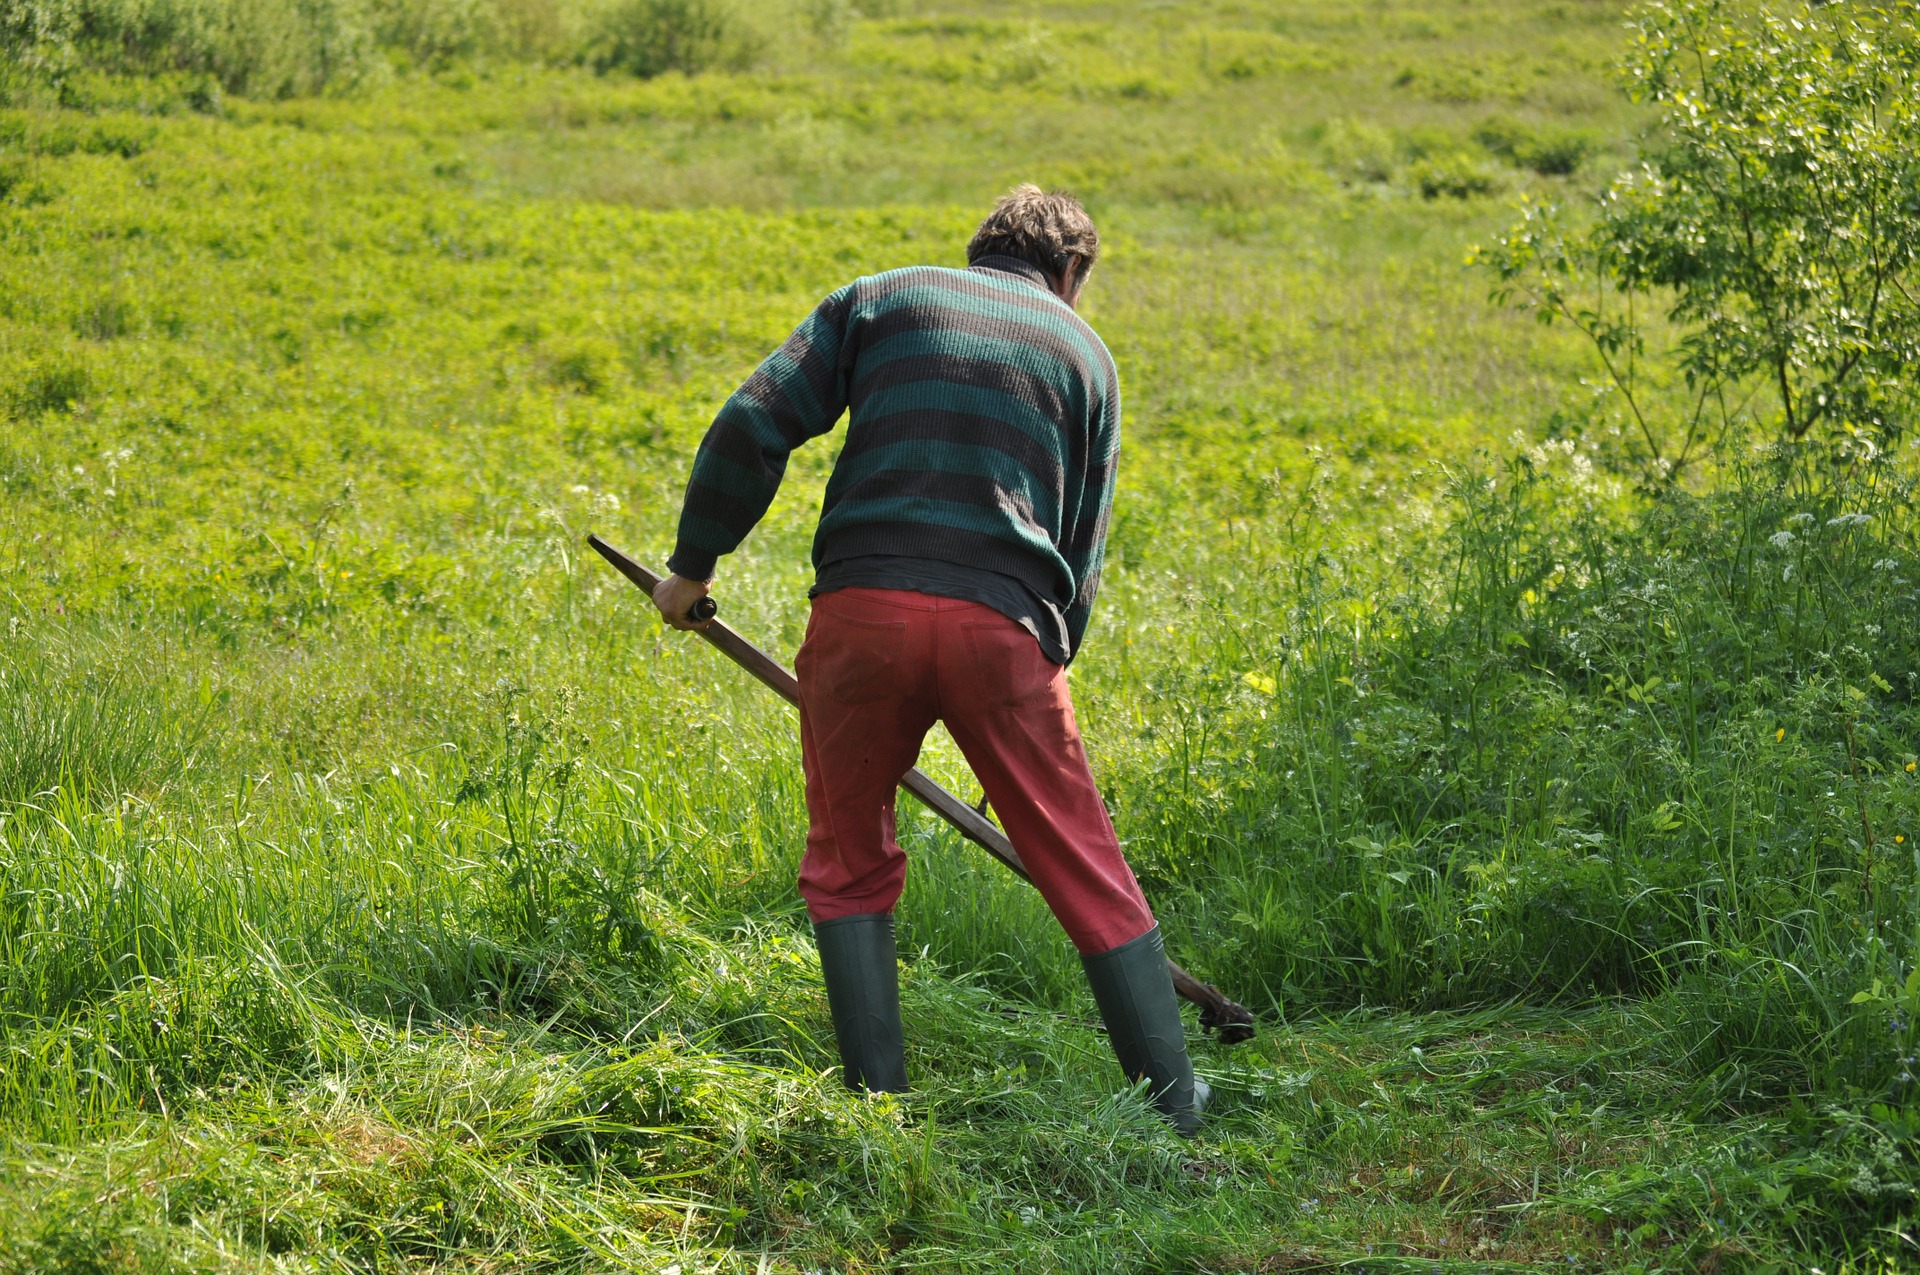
1550, 152
284, 48
650, 37
1772, 221
1358, 151
48, 386
265, 48
1453, 176
1664, 752
435, 33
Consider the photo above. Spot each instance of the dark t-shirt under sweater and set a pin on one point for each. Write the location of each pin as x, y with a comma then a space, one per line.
1008, 596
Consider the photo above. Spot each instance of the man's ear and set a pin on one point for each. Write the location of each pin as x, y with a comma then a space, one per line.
1067, 286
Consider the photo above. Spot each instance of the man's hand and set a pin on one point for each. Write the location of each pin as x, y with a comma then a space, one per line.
675, 597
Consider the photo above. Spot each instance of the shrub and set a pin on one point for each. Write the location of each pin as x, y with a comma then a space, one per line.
283, 48
265, 48
586, 365
1358, 151
1569, 744
48, 387
1549, 152
436, 32
651, 37
36, 36
1771, 221
1454, 176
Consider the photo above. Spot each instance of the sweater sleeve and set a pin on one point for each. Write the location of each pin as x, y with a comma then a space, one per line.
1085, 542
796, 394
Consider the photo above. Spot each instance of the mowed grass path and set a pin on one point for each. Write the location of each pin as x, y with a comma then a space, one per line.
383, 891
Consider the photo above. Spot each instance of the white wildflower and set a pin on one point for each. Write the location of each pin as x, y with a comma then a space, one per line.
1781, 539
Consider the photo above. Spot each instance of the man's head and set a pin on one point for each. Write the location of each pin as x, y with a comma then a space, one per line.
1048, 230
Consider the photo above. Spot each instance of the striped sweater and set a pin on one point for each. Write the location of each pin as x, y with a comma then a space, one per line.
984, 425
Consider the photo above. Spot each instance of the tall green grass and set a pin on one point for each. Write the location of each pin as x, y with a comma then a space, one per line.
1667, 803
1582, 748
78, 716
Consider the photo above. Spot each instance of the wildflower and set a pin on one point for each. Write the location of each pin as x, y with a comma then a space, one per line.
1782, 734
1781, 539
1910, 768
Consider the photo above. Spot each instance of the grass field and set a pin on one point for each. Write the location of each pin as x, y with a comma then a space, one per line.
384, 890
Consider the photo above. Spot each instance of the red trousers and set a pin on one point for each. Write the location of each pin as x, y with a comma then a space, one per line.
878, 668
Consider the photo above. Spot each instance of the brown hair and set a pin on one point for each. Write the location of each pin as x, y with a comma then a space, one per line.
1048, 229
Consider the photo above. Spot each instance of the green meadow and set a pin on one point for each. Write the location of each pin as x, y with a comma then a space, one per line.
382, 888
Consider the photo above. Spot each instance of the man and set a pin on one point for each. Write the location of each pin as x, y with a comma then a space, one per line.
957, 558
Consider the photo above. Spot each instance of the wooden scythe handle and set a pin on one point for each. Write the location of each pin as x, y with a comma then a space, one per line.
1233, 1021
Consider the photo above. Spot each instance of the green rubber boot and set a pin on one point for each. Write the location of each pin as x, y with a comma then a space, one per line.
1134, 990
859, 963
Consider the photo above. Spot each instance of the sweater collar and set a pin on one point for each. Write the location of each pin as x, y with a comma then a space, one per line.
1013, 265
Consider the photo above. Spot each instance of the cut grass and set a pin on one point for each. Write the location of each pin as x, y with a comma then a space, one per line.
1500, 1139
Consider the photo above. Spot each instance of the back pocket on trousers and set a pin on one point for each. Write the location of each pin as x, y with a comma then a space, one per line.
1007, 660
852, 661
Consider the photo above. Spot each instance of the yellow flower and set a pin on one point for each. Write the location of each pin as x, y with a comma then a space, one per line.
1779, 734
1910, 768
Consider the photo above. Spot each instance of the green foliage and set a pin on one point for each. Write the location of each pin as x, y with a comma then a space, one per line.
258, 47
649, 37
1455, 176
41, 388
1772, 221
1551, 152
297, 48
1510, 765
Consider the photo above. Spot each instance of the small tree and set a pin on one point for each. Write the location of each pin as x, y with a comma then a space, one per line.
651, 37
1774, 218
